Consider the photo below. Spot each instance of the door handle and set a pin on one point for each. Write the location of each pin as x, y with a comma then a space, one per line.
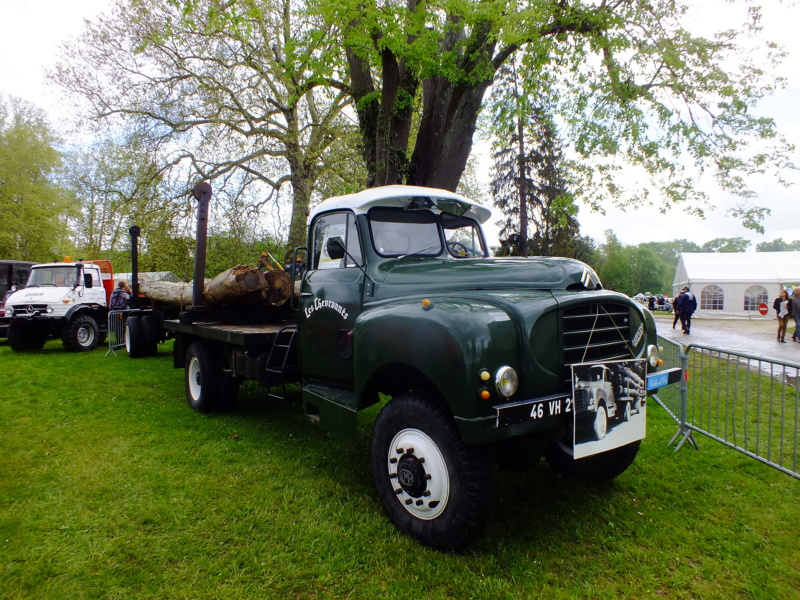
305, 294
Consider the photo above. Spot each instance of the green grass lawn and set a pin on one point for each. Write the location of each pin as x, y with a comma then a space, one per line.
111, 487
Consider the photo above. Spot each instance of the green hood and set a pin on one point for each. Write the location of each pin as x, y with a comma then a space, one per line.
405, 276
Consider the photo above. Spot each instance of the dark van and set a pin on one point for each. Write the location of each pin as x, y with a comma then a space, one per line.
12, 273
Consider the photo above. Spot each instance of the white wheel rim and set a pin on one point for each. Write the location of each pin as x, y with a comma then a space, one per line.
600, 423
410, 454
127, 339
85, 335
195, 379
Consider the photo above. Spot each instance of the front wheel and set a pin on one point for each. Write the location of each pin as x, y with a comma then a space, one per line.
433, 486
81, 334
600, 423
25, 339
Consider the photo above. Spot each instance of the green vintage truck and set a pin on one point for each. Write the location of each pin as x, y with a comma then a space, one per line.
476, 358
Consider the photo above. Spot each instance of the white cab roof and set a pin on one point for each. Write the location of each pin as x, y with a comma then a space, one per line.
399, 196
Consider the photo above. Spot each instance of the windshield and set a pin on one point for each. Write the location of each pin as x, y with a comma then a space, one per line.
66, 276
397, 233
401, 232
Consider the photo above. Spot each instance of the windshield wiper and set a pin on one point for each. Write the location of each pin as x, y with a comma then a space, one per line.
419, 251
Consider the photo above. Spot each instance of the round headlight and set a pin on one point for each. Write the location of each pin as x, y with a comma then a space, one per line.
9, 311
652, 356
506, 381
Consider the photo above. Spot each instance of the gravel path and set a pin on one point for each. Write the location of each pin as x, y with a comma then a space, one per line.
756, 336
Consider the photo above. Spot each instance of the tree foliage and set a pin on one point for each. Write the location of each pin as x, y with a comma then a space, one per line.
220, 87
632, 269
633, 87
529, 177
734, 244
670, 252
778, 245
33, 206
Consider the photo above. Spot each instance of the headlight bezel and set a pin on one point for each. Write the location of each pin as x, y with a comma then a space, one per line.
653, 355
506, 381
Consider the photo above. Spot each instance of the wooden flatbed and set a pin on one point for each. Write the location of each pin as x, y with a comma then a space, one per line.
238, 334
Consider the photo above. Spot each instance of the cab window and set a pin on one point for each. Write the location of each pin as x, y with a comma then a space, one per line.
464, 239
335, 225
402, 232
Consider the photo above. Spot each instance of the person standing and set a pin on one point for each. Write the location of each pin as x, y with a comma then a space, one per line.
783, 308
687, 304
675, 309
795, 310
120, 296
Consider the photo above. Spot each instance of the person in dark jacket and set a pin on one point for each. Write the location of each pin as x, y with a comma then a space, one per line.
675, 309
783, 308
794, 300
687, 304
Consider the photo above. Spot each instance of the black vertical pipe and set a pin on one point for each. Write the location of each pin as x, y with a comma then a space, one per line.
135, 231
202, 192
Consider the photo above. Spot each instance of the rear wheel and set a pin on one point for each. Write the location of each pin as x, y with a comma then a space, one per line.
134, 337
433, 486
150, 335
626, 415
25, 339
81, 334
606, 465
203, 378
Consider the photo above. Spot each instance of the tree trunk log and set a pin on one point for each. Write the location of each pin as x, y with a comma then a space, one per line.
166, 292
277, 291
239, 285
234, 283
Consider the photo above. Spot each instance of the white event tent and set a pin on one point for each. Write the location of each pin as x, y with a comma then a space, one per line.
735, 284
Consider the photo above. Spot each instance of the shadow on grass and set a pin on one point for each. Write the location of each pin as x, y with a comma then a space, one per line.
540, 507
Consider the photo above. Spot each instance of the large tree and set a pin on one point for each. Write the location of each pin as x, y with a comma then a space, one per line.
530, 176
33, 207
633, 86
222, 87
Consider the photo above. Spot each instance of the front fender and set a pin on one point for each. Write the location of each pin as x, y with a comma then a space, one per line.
448, 343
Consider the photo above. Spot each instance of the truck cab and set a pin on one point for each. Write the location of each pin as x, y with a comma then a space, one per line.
63, 299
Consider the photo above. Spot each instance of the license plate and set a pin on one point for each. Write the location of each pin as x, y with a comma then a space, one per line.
539, 408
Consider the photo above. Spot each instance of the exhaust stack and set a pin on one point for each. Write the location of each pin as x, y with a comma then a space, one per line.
202, 192
135, 232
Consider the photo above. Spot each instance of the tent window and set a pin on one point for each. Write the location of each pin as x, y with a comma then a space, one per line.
712, 298
755, 295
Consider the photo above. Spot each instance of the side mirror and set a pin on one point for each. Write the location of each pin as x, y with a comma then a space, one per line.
335, 248
87, 280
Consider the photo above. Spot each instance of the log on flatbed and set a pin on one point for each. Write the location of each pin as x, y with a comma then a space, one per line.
234, 283
239, 285
275, 293
166, 292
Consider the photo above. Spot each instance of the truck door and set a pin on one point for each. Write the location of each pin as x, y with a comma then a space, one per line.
330, 298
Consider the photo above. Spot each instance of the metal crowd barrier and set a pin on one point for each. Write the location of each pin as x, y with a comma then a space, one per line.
746, 402
116, 330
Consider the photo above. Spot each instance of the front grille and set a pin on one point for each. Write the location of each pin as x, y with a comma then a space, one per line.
581, 400
596, 332
23, 309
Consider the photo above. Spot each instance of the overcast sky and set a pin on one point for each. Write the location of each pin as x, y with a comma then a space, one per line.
31, 32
